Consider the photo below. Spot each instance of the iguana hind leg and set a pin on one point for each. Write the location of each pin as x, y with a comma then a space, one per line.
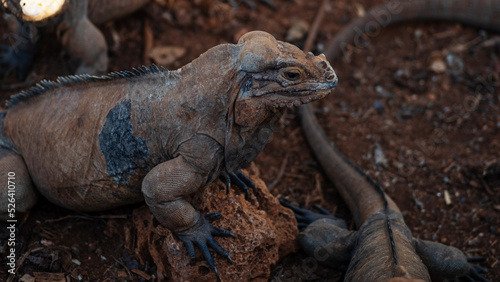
17, 194
85, 42
326, 237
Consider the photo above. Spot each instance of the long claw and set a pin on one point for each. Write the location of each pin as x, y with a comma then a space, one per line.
201, 236
322, 210
227, 180
208, 257
190, 248
474, 273
246, 180
240, 180
213, 216
292, 207
222, 233
219, 249
241, 184
305, 217
300, 218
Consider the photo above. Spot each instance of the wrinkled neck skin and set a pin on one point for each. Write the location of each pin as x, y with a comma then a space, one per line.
251, 122
218, 93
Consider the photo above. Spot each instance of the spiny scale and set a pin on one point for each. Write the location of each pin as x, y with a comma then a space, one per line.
46, 85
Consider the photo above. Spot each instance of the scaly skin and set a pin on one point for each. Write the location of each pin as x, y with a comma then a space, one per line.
383, 248
94, 143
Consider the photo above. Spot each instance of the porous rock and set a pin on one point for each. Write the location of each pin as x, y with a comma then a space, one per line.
265, 231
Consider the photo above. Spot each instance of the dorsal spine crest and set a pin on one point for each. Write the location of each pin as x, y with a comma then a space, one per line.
64, 81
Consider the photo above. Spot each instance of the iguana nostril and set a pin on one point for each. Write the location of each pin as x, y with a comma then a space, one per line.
330, 76
323, 65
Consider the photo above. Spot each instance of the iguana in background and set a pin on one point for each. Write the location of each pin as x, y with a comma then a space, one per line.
92, 143
383, 248
74, 22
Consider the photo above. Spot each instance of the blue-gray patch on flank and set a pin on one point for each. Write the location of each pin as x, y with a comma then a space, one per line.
124, 153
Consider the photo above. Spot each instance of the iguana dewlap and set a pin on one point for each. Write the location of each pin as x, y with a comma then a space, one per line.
92, 143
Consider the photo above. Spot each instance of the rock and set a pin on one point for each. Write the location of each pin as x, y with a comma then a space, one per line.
297, 31
265, 232
436, 62
166, 55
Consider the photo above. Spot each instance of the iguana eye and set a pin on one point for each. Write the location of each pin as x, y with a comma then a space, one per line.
291, 73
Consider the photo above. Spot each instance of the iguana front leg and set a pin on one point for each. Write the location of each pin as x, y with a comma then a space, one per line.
164, 189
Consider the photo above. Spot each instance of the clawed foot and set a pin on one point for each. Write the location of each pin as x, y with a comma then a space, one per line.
14, 60
305, 217
240, 180
251, 4
200, 235
475, 271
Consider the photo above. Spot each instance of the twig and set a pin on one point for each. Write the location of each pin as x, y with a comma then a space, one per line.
273, 184
486, 187
124, 266
20, 261
313, 32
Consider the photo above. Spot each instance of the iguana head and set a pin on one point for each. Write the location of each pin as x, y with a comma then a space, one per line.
272, 75
278, 75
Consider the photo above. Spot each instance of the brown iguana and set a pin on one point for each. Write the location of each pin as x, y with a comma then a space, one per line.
92, 143
383, 248
74, 22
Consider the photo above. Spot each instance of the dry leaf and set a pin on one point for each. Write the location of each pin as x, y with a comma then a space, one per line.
166, 55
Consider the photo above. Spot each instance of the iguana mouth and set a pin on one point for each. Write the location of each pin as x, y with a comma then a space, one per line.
303, 90
300, 97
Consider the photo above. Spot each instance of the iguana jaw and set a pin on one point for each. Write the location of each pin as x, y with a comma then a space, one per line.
276, 95
298, 97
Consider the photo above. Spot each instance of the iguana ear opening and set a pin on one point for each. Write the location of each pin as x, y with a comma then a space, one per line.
259, 51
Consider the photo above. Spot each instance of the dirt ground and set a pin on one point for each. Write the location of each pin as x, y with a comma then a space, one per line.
417, 107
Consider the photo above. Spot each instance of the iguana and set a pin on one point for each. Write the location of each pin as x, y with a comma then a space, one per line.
74, 22
92, 143
383, 248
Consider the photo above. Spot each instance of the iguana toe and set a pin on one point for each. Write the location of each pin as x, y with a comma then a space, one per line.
201, 236
475, 273
305, 217
240, 180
